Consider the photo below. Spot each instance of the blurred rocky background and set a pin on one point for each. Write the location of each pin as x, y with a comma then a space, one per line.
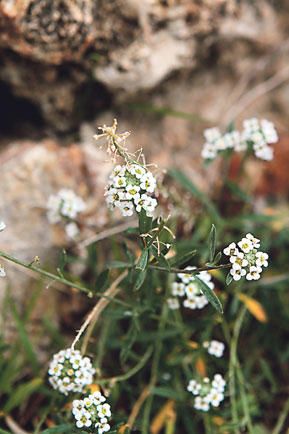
166, 69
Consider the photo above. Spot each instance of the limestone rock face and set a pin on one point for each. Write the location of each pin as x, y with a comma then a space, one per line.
55, 52
30, 172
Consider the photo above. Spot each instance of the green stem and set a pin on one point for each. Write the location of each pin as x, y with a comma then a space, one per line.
281, 419
59, 279
207, 423
131, 372
233, 366
194, 271
244, 399
154, 370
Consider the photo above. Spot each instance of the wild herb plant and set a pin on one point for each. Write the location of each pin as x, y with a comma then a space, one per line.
158, 351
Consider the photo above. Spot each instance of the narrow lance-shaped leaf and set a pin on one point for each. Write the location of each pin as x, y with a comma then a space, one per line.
229, 279
143, 260
210, 295
145, 222
212, 243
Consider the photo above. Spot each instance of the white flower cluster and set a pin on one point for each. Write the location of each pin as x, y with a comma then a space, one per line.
245, 259
65, 206
257, 134
214, 348
2, 271
130, 188
189, 288
207, 393
70, 372
92, 412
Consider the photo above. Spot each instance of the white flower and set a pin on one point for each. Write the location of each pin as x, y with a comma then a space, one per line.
215, 348
178, 289
190, 303
239, 261
70, 372
231, 250
102, 427
209, 151
215, 397
191, 290
173, 303
212, 134
201, 404
194, 387
186, 277
148, 182
72, 230
132, 191
219, 383
137, 170
119, 181
201, 302
254, 273
103, 410
262, 259
2, 226
254, 241
246, 245
84, 421
237, 273
126, 208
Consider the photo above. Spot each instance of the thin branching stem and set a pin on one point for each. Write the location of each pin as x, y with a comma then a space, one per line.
100, 306
60, 279
193, 271
131, 372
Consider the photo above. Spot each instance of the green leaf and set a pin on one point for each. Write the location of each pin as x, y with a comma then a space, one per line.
22, 393
118, 264
145, 222
188, 185
140, 279
229, 279
217, 258
212, 243
143, 260
181, 259
210, 295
